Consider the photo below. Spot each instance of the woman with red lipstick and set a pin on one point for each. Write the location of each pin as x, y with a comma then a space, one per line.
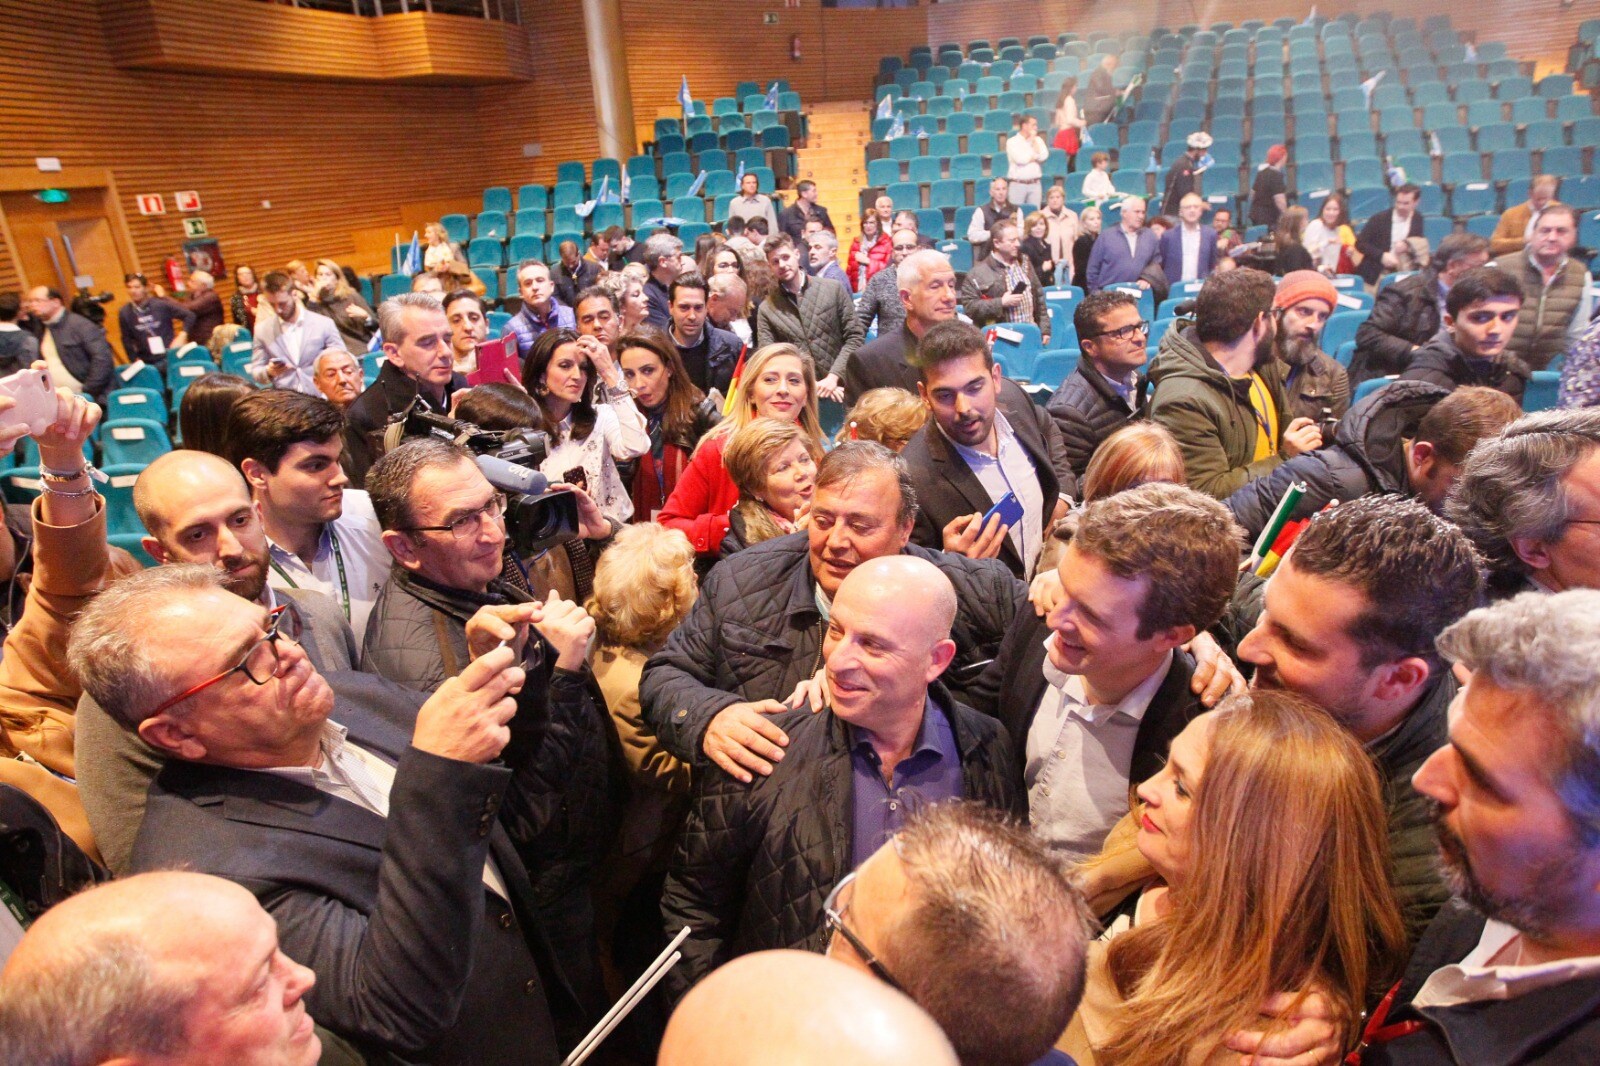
779, 383
567, 374
1267, 837
774, 466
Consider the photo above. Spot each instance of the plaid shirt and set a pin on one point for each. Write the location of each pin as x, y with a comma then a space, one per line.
1017, 273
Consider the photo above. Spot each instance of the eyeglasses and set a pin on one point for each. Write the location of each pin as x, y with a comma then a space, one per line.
1121, 333
260, 664
833, 921
468, 524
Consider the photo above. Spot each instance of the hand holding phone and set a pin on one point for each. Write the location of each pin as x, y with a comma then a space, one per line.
34, 403
1009, 509
1019, 288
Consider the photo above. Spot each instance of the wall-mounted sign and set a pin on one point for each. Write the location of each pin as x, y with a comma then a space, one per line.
187, 201
769, 18
52, 196
194, 227
151, 203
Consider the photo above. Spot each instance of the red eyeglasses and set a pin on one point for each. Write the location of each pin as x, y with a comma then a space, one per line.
260, 664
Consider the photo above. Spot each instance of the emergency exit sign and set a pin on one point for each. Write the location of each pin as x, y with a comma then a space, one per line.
194, 227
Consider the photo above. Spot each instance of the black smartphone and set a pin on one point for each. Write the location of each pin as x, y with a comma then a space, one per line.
1019, 287
576, 478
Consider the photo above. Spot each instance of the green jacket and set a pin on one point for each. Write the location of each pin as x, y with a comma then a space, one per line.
1194, 398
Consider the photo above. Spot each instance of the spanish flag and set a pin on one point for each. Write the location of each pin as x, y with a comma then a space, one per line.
733, 385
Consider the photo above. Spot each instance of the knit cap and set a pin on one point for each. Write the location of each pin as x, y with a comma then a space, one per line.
1298, 285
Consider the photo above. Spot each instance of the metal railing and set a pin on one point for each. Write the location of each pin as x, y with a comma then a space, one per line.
497, 10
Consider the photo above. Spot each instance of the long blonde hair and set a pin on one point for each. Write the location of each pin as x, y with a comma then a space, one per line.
1290, 886
341, 287
743, 410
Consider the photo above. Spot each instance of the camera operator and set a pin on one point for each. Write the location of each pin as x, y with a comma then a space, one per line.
444, 524
417, 363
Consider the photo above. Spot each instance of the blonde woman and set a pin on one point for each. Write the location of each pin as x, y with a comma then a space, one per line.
628, 289
1137, 454
351, 314
774, 466
778, 382
644, 586
1266, 840
889, 416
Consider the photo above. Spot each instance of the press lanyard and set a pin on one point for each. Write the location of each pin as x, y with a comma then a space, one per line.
1261, 420
338, 561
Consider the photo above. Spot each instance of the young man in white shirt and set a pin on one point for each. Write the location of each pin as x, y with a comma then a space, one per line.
321, 535
1093, 694
1510, 971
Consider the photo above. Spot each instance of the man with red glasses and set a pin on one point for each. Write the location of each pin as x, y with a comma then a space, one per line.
197, 509
365, 819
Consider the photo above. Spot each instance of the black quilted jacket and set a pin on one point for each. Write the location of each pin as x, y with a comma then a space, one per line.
1088, 410
756, 861
755, 633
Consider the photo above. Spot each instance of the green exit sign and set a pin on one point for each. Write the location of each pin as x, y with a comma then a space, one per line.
194, 227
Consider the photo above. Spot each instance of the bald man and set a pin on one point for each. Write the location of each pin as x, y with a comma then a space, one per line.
757, 861
178, 968
829, 1013
197, 509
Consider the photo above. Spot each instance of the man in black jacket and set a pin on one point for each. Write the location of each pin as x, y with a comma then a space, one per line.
1381, 239
1349, 622
1510, 972
1480, 319
1092, 695
991, 293
754, 634
441, 523
1106, 391
984, 442
756, 862
927, 295
1409, 312
376, 842
417, 363
709, 354
80, 346
1408, 437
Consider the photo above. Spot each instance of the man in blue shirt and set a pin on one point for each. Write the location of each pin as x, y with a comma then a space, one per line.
757, 861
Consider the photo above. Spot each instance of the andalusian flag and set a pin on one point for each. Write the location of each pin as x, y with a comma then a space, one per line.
733, 385
1275, 526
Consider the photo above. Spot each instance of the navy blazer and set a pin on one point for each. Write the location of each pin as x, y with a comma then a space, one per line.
413, 955
1110, 263
1172, 253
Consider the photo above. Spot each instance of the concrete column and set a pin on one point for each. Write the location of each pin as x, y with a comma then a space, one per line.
608, 72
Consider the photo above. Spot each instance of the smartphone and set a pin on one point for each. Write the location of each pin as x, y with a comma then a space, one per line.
576, 478
494, 359
36, 405
1009, 509
1019, 287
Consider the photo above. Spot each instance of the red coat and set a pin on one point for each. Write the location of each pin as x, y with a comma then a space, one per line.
877, 256
700, 502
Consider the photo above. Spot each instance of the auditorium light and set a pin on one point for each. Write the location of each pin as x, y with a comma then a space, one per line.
52, 196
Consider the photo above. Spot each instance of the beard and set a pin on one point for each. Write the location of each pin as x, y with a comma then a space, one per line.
248, 581
1534, 916
1297, 351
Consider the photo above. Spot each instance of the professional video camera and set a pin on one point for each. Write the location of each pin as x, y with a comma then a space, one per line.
536, 518
91, 305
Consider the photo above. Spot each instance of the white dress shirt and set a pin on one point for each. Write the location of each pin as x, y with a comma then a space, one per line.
350, 566
1478, 977
1190, 239
1399, 229
1079, 756
1011, 469
357, 776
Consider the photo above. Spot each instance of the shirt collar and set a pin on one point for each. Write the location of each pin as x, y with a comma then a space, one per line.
933, 735
329, 745
278, 551
1003, 436
1133, 705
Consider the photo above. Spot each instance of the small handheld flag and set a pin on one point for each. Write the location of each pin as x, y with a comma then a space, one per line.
1311, 19
696, 185
1371, 84
685, 99
898, 128
1152, 167
885, 106
626, 183
771, 102
1471, 52
1434, 147
1206, 163
585, 209
1280, 517
738, 179
733, 383
413, 263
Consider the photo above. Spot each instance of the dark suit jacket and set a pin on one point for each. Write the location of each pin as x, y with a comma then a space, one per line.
947, 487
882, 363
412, 953
1012, 686
1172, 253
368, 417
1373, 241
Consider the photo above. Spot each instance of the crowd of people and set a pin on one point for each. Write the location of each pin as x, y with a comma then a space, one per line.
1200, 713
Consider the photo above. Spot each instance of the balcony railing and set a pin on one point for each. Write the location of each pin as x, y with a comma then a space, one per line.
497, 10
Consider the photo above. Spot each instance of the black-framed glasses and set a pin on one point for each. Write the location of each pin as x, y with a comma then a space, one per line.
833, 921
1121, 333
260, 664
469, 524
